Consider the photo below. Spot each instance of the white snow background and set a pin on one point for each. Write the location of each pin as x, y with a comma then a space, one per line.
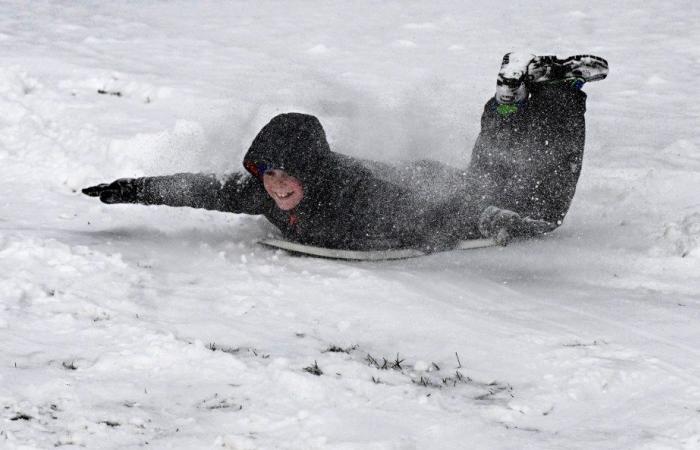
126, 326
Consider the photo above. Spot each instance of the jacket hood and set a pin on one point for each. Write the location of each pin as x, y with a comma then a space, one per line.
293, 142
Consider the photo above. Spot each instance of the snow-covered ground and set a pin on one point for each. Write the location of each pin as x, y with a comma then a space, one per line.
124, 326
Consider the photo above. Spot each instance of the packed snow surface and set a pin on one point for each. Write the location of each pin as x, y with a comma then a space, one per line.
124, 326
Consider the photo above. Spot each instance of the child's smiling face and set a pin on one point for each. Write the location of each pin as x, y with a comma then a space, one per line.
284, 189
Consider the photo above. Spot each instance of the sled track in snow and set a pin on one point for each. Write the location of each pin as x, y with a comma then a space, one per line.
446, 288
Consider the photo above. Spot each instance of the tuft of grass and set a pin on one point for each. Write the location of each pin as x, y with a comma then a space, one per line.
221, 348
495, 388
515, 427
314, 369
385, 364
423, 381
583, 344
214, 347
106, 92
110, 423
225, 404
435, 378
337, 349
21, 416
371, 361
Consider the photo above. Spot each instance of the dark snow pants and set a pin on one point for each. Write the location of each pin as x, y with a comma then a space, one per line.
529, 161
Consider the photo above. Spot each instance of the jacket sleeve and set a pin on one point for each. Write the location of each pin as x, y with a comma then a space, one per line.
237, 193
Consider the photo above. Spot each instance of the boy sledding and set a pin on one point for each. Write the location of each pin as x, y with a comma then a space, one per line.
520, 182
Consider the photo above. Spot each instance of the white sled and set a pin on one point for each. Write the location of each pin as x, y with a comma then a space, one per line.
366, 255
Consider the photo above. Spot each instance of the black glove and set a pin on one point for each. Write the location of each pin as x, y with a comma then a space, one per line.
502, 225
122, 190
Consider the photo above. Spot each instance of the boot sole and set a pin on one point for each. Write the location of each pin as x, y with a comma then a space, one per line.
585, 67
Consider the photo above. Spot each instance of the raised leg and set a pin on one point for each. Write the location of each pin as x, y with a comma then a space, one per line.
529, 161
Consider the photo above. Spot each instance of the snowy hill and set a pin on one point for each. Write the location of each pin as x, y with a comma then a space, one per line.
124, 326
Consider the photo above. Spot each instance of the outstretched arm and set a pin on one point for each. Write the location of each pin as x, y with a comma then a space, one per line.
238, 193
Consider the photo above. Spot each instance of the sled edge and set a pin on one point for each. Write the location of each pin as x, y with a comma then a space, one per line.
365, 255
353, 255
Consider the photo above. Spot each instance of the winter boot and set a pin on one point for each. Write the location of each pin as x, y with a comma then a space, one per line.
575, 70
521, 72
510, 86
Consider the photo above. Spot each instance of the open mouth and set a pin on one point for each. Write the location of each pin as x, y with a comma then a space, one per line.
282, 196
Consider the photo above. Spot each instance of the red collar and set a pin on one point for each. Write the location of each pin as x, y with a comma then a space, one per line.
293, 218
